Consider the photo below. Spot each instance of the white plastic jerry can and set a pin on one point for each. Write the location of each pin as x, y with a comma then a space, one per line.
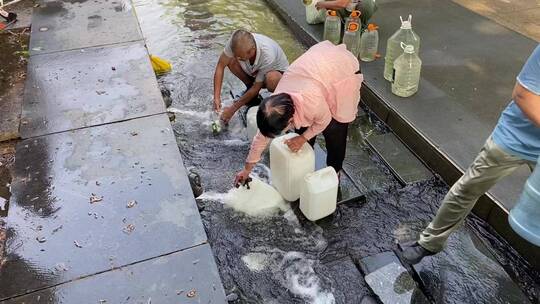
319, 194
251, 118
289, 168
259, 199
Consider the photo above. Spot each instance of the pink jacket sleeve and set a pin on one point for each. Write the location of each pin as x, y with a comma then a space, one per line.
321, 120
257, 148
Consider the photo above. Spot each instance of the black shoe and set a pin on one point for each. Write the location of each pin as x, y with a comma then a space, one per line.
368, 300
195, 183
414, 254
11, 17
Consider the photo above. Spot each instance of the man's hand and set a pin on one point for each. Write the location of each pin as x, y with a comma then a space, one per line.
296, 143
228, 113
217, 105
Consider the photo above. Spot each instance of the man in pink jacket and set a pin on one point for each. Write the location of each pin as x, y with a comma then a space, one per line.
319, 93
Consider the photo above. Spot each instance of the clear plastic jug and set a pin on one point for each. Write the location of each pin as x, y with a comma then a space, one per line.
288, 168
351, 37
260, 199
393, 48
369, 43
313, 15
332, 27
524, 218
251, 118
319, 194
406, 72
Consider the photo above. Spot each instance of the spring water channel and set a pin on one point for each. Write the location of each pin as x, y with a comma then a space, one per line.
283, 258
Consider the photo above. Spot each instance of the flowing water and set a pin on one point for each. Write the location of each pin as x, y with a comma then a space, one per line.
281, 258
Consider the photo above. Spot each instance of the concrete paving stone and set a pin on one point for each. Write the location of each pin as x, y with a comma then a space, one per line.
456, 274
10, 109
68, 25
188, 276
390, 280
75, 89
93, 199
350, 281
400, 160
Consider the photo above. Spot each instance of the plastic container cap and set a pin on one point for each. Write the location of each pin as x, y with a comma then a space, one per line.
406, 24
356, 13
332, 13
372, 27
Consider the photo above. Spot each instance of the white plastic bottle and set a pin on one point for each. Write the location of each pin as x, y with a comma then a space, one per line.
351, 37
251, 118
313, 15
289, 168
332, 27
406, 72
319, 194
369, 43
393, 48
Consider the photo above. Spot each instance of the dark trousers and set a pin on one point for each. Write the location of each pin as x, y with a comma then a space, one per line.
335, 136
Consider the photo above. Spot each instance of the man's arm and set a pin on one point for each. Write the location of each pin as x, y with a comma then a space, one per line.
528, 102
218, 79
333, 5
247, 97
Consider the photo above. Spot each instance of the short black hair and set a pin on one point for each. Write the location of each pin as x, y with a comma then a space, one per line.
274, 114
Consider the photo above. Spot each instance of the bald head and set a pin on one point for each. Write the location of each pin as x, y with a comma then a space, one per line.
242, 41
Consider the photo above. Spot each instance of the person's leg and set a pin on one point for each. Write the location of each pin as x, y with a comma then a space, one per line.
491, 164
235, 68
271, 80
335, 136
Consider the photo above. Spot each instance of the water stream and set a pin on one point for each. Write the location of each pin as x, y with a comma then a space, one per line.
282, 258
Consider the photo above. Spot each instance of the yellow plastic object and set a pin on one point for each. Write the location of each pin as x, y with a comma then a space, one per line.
160, 66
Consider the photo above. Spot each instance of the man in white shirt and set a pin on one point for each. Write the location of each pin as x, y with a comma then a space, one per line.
256, 60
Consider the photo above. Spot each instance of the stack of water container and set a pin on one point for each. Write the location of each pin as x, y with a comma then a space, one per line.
294, 177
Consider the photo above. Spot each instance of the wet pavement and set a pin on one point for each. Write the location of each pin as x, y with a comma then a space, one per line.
75, 24
284, 258
68, 90
100, 205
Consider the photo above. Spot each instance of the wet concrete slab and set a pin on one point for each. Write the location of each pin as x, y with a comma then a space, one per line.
10, 109
188, 276
405, 166
467, 272
68, 90
390, 281
68, 25
93, 199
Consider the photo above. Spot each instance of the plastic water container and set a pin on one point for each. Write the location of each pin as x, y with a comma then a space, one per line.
251, 118
369, 43
352, 5
525, 216
393, 48
313, 15
351, 37
332, 27
319, 194
288, 168
259, 199
406, 73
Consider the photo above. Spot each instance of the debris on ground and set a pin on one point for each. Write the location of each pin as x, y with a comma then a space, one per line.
192, 293
94, 198
41, 239
128, 229
131, 204
77, 244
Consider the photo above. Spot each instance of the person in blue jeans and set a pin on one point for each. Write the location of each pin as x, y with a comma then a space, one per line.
515, 141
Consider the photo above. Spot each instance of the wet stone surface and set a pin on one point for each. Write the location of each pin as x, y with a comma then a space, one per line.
70, 213
187, 276
467, 272
68, 25
68, 90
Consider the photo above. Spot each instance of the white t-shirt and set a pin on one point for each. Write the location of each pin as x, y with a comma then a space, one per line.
270, 57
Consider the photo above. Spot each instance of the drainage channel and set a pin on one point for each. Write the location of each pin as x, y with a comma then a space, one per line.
284, 258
